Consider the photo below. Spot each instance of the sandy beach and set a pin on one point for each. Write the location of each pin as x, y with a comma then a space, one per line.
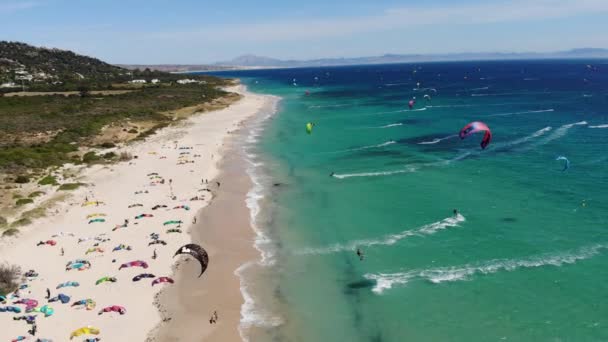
174, 176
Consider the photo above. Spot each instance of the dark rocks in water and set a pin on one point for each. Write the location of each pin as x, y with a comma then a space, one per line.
277, 184
361, 284
509, 219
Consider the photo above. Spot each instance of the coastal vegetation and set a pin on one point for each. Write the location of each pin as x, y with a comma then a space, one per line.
59, 108
10, 275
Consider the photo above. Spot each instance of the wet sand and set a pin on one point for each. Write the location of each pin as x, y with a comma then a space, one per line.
223, 229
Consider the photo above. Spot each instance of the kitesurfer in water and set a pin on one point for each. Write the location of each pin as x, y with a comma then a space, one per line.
360, 254
332, 174
455, 212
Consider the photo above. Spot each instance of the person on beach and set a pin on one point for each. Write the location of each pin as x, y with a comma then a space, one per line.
194, 220
126, 222
218, 184
215, 317
48, 293
154, 255
360, 254
62, 251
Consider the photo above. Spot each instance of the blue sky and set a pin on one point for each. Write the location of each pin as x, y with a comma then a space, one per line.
189, 31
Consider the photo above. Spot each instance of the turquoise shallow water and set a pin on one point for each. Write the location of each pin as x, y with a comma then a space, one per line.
524, 260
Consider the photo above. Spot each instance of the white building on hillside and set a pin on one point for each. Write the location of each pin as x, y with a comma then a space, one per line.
138, 81
155, 81
186, 81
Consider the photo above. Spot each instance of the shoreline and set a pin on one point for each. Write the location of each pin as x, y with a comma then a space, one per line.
200, 141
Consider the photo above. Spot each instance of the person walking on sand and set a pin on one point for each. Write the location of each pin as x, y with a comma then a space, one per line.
154, 255
215, 317
62, 251
194, 220
48, 293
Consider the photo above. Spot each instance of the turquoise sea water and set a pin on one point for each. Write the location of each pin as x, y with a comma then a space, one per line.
524, 260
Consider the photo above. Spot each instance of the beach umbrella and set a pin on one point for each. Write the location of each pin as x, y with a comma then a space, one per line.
89, 330
97, 220
161, 280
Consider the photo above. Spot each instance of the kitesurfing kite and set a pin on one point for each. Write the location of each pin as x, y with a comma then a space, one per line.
84, 331
474, 127
309, 127
136, 263
114, 308
566, 164
198, 252
161, 280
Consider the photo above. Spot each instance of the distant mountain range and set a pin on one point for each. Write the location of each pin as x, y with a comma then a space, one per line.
260, 62
257, 61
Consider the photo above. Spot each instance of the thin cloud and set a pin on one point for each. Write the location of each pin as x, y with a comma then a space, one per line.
10, 7
397, 18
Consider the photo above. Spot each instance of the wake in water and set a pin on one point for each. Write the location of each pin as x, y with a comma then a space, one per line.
437, 140
389, 125
415, 167
526, 112
558, 133
385, 281
388, 240
599, 126
507, 94
386, 143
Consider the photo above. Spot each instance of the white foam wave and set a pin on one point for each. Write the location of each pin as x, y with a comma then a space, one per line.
417, 110
437, 140
507, 94
482, 88
391, 125
375, 173
330, 105
395, 84
385, 281
388, 240
600, 126
560, 132
386, 143
525, 112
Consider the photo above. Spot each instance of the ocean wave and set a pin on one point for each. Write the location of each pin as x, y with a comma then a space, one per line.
390, 239
385, 281
374, 173
437, 140
600, 126
395, 84
526, 112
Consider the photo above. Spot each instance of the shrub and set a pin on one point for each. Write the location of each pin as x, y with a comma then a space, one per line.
69, 186
90, 157
133, 131
48, 180
3, 222
24, 201
125, 156
109, 155
10, 232
108, 145
10, 277
19, 223
17, 196
36, 194
22, 179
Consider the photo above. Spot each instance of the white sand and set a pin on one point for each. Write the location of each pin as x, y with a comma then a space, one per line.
116, 186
